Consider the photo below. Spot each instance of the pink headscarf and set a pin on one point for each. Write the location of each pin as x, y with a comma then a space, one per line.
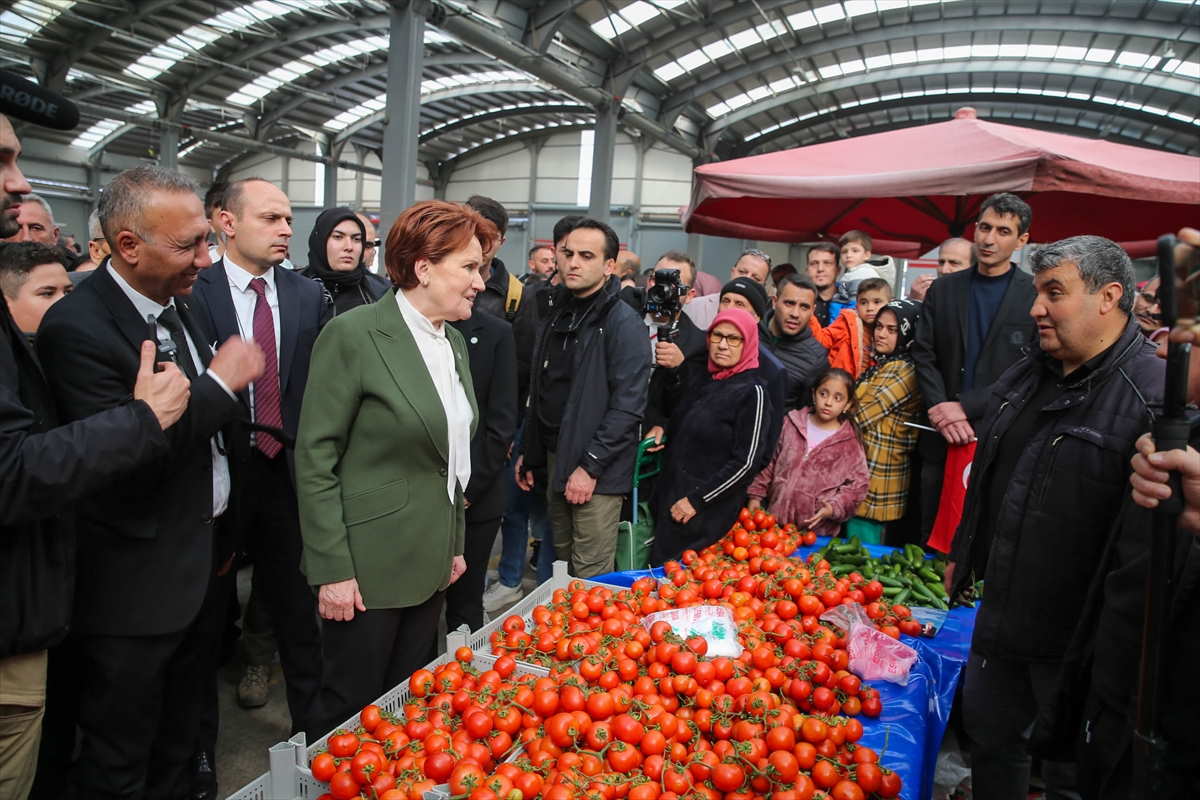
748, 328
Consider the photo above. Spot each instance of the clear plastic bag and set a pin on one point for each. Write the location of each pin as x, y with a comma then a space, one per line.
714, 623
873, 654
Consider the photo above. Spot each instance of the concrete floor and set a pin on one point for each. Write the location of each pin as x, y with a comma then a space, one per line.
245, 734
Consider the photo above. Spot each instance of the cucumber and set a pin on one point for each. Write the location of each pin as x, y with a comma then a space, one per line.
929, 575
902, 597
890, 582
892, 591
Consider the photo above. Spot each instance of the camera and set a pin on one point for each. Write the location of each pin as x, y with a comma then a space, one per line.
662, 303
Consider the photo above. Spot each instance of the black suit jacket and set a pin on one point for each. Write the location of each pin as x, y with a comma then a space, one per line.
941, 341
302, 313
145, 544
494, 371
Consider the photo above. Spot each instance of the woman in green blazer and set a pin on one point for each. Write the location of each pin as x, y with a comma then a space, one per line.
383, 455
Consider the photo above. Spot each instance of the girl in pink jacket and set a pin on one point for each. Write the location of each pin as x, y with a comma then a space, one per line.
818, 474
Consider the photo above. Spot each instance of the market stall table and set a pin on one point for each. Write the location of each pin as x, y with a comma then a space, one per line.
908, 734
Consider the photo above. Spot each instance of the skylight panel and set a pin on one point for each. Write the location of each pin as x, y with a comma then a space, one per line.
197, 37
829, 71
743, 39
958, 51
1067, 53
364, 110
985, 50
855, 8
717, 49
638, 12
904, 57
1131, 58
669, 71
1188, 69
802, 20
95, 133
879, 62
1041, 51
783, 84
930, 54
26, 18
830, 13
692, 60
1100, 55
1013, 50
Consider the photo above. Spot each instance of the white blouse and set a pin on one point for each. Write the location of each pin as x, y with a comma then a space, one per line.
439, 360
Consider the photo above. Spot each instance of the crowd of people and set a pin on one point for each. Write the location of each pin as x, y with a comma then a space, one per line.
193, 403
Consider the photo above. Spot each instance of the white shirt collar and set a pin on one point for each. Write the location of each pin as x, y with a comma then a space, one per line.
144, 306
415, 319
240, 278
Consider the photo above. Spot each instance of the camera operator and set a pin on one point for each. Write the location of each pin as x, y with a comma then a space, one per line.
675, 340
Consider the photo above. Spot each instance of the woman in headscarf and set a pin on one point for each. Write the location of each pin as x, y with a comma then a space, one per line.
888, 398
715, 443
335, 260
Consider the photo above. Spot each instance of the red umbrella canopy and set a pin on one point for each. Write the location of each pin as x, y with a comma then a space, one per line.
912, 188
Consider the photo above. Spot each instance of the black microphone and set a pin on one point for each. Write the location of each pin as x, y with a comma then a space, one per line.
27, 101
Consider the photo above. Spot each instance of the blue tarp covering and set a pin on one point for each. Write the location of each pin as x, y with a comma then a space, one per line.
908, 734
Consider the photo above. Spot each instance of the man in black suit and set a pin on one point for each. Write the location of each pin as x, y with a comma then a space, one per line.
973, 326
147, 546
247, 294
494, 373
46, 469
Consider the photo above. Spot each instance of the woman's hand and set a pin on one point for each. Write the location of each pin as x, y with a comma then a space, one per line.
458, 565
754, 503
338, 601
824, 512
682, 512
655, 433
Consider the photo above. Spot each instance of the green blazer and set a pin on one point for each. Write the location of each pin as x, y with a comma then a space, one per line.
372, 456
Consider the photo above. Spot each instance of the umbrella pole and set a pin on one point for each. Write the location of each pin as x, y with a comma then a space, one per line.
1170, 432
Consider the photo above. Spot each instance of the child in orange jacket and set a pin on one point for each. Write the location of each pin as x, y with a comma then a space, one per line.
848, 336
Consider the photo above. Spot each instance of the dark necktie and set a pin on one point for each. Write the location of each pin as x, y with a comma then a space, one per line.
170, 320
266, 388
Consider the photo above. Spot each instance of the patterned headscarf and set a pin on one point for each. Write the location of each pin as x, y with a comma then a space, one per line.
748, 328
907, 312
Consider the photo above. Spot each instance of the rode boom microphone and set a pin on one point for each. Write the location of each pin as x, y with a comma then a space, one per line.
27, 101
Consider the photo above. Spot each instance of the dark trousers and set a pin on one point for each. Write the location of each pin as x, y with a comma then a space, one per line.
1000, 703
210, 629
1106, 758
933, 466
138, 714
56, 751
464, 597
271, 528
372, 653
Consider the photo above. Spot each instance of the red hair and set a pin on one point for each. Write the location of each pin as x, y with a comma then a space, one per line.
432, 229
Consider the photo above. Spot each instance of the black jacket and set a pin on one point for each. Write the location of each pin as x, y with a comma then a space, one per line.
607, 398
715, 444
941, 344
494, 373
147, 540
525, 318
44, 470
1049, 532
803, 357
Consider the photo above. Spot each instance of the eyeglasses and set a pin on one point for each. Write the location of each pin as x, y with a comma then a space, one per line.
731, 339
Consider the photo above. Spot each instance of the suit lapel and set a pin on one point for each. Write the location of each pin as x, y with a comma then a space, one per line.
218, 298
462, 364
963, 305
204, 348
404, 362
135, 329
289, 315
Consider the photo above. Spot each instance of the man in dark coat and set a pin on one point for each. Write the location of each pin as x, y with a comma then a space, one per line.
790, 338
150, 542
586, 400
973, 326
494, 374
1054, 450
45, 469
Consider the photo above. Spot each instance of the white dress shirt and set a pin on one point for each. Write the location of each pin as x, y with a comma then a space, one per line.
245, 300
439, 360
146, 307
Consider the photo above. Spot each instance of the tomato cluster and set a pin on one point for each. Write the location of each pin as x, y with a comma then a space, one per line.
630, 712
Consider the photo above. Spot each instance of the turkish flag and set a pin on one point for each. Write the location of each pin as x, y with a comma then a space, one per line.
954, 490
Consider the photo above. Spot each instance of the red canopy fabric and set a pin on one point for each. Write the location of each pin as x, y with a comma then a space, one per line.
912, 188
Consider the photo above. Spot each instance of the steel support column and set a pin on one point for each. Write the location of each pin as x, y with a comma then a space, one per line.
603, 154
406, 55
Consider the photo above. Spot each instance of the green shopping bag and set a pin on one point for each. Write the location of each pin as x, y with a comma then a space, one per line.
634, 540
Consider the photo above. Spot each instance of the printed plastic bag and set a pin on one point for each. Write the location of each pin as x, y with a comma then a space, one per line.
873, 654
714, 623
